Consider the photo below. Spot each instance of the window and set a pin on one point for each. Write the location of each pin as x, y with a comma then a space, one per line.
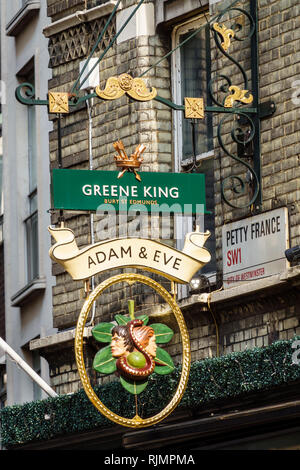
31, 225
195, 76
193, 139
31, 222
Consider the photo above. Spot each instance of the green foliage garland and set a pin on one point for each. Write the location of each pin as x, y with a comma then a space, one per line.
234, 375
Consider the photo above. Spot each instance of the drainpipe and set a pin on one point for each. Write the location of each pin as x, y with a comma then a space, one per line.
34, 376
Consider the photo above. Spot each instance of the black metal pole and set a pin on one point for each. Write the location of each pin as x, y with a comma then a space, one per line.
193, 123
60, 163
255, 90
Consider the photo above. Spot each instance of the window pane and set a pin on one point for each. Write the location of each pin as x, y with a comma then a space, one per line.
195, 75
33, 203
32, 148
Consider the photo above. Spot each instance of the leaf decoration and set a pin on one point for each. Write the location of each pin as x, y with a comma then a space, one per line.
132, 386
144, 318
104, 362
102, 332
124, 319
164, 363
163, 334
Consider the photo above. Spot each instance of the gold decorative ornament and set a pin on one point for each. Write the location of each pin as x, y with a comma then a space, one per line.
124, 84
194, 108
237, 95
136, 421
58, 103
240, 21
226, 34
128, 163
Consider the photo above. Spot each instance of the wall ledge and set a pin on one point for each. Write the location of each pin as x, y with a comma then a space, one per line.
22, 18
79, 17
287, 278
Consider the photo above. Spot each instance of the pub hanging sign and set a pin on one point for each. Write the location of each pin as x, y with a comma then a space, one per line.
134, 349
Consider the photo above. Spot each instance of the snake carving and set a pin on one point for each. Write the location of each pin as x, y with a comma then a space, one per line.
136, 341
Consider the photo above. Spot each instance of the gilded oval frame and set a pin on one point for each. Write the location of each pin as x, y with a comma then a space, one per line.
137, 421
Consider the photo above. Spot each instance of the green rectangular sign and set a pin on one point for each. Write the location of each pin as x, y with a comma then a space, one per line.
92, 190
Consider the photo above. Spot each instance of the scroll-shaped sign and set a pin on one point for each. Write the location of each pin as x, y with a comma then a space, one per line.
149, 255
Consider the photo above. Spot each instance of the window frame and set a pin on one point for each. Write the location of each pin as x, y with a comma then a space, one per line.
32, 219
180, 29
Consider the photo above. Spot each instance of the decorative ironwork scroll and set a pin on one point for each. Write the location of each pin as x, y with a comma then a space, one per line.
242, 135
226, 34
237, 95
245, 125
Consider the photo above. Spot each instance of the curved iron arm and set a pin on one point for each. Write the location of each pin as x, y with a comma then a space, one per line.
25, 94
28, 98
29, 92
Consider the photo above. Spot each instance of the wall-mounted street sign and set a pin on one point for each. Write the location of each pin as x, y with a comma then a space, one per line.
254, 247
86, 190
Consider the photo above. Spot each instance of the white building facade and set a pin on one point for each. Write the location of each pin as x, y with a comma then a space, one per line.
26, 194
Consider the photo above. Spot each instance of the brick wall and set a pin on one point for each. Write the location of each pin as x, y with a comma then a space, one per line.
133, 122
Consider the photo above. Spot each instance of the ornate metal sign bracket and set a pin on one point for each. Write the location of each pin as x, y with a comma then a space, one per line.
241, 103
245, 132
